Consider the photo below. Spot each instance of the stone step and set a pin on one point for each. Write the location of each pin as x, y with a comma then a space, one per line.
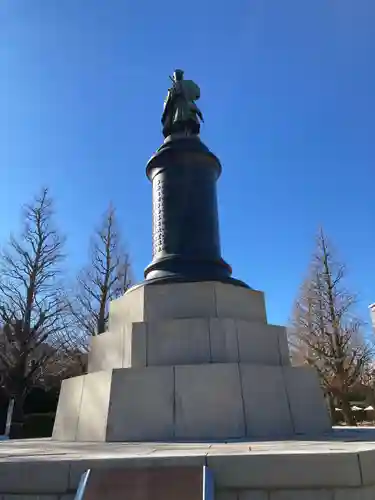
328, 469
191, 402
189, 341
186, 300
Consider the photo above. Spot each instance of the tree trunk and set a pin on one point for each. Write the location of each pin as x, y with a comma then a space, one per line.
347, 411
331, 406
18, 417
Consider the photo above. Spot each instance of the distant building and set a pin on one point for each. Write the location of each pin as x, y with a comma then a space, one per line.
372, 314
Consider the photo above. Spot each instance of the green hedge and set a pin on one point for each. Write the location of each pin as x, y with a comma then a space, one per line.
38, 425
35, 425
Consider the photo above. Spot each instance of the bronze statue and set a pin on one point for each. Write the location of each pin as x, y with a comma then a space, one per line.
181, 114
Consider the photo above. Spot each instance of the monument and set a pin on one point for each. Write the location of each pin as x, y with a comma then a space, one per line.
190, 373
189, 354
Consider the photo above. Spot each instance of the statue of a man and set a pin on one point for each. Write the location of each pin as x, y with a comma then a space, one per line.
181, 114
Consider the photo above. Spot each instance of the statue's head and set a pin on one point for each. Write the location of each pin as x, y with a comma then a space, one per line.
178, 75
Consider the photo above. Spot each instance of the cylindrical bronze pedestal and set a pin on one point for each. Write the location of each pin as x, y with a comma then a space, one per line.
186, 242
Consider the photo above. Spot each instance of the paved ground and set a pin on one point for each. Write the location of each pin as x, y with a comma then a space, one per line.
342, 463
341, 440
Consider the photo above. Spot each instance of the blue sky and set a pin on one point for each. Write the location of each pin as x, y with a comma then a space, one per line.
288, 94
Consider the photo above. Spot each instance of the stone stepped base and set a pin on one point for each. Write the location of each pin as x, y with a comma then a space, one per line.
190, 361
330, 469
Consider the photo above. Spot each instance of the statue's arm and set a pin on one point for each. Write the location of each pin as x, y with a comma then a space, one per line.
199, 113
167, 104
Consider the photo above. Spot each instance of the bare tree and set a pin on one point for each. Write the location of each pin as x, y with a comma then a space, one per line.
32, 302
107, 277
325, 331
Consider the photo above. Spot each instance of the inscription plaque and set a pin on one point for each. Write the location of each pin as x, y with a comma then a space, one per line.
159, 483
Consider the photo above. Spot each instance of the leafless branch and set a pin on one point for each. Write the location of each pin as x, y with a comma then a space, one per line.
106, 277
